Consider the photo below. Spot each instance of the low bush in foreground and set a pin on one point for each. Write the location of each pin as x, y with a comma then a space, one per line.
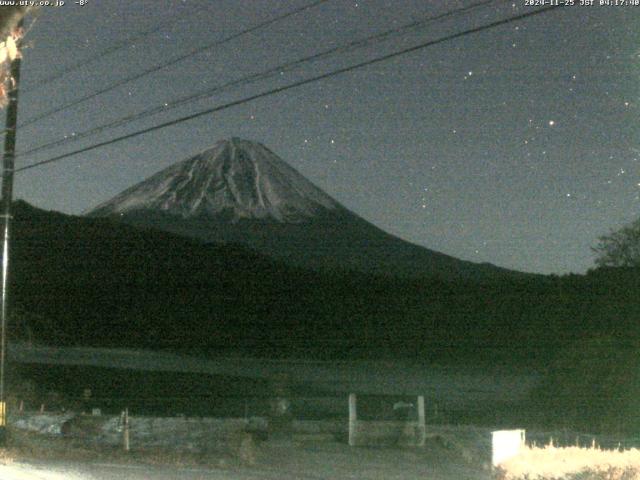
571, 463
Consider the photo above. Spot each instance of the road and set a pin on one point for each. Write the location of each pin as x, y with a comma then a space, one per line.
285, 460
105, 471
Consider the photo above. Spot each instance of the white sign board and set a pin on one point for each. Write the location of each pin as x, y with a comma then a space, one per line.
505, 445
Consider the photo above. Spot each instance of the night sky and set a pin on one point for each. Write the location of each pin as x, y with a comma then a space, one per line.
517, 145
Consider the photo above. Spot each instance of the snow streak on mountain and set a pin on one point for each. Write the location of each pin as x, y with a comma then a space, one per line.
237, 179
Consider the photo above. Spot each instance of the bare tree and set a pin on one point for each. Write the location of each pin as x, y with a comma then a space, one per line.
620, 248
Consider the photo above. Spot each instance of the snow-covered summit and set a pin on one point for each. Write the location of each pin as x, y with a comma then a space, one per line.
236, 178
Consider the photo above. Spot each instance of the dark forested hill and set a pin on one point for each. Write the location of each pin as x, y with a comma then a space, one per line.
91, 281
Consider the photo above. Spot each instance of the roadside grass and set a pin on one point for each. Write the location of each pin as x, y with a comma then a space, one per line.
571, 463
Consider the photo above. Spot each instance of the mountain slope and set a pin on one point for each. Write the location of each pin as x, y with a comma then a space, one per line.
241, 192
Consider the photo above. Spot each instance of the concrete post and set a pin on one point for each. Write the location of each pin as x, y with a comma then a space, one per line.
353, 419
125, 430
422, 427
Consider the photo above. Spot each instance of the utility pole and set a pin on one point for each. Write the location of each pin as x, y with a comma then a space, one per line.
8, 163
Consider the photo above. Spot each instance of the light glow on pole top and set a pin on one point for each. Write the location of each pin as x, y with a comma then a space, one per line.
9, 52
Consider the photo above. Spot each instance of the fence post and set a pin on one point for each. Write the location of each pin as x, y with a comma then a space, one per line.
353, 419
422, 427
125, 429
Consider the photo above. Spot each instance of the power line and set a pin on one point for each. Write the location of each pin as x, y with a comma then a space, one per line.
379, 37
300, 83
164, 65
104, 53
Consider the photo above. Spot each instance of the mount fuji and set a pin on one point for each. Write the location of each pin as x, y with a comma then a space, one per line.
239, 191
235, 180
